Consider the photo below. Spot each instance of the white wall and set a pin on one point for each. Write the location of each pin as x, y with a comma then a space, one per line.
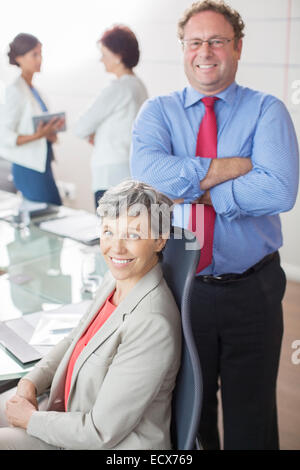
72, 75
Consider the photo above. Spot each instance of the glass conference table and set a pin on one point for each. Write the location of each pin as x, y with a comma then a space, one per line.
40, 271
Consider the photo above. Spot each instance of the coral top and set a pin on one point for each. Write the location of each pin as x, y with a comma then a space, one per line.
104, 313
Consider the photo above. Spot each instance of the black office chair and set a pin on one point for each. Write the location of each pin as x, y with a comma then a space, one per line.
180, 260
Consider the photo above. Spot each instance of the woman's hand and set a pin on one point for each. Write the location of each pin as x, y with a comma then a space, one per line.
52, 138
26, 389
91, 139
47, 130
19, 411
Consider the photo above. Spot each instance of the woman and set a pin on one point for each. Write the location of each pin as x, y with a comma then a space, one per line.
108, 122
112, 378
29, 150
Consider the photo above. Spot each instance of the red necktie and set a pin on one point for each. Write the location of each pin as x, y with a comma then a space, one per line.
206, 147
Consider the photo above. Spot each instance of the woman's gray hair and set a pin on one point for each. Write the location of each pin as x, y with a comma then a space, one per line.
135, 198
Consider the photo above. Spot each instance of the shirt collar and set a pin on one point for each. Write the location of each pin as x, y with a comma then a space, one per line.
192, 96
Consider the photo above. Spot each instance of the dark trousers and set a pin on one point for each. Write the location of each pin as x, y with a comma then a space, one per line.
238, 328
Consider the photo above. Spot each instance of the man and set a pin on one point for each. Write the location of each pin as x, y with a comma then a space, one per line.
236, 305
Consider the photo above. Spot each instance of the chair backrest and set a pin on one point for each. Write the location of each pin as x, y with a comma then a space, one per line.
180, 260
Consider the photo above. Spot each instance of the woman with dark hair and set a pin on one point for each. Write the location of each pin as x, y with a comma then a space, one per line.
107, 123
29, 150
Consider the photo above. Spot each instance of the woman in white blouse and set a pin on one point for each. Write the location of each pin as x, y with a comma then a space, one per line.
29, 150
107, 123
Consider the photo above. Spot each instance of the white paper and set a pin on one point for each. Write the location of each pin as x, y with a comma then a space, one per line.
48, 331
82, 226
66, 318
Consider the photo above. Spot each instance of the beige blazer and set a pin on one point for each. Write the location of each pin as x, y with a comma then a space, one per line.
122, 383
16, 119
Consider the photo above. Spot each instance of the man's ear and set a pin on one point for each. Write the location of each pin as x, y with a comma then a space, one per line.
239, 48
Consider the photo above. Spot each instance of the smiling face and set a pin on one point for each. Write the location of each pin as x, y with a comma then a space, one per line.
31, 61
209, 70
128, 247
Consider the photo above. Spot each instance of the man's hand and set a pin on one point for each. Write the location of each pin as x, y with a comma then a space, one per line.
19, 411
204, 199
178, 201
224, 169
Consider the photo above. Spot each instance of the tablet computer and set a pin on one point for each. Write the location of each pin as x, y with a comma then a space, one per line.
46, 117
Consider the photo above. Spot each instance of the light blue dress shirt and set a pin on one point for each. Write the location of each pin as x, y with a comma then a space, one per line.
250, 124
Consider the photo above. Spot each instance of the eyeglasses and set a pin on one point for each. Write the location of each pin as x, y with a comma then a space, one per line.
195, 44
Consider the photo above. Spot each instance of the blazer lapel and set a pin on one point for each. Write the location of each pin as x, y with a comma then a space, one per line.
142, 288
36, 109
106, 330
126, 307
105, 289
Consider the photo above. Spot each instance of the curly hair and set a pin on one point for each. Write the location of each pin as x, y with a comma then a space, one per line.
122, 41
231, 15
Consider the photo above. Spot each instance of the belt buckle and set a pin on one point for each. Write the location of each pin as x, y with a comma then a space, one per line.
222, 278
209, 278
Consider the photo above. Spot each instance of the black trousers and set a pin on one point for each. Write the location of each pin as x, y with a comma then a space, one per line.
238, 328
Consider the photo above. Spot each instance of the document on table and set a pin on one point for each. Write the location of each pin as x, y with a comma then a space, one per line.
81, 226
56, 324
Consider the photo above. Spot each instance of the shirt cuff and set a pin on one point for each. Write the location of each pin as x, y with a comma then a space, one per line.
202, 165
222, 198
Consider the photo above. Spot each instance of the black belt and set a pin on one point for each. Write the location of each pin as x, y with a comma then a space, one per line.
223, 278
